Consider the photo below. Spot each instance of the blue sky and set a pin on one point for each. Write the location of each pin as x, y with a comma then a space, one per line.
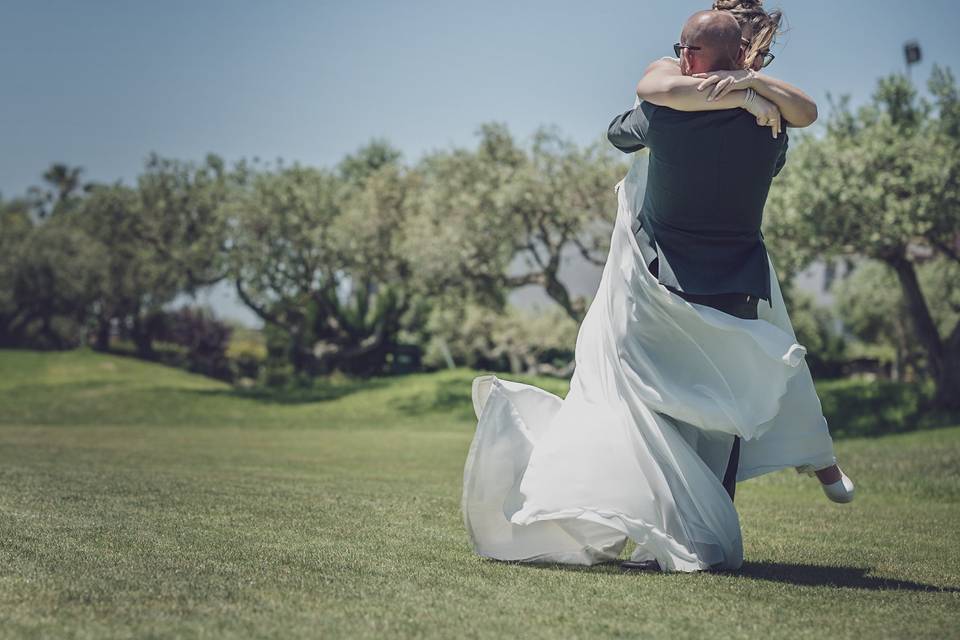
100, 84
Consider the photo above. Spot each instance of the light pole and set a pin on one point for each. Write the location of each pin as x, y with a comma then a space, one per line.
911, 52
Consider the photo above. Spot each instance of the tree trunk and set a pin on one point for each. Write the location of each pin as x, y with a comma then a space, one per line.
102, 340
558, 292
516, 365
547, 369
300, 357
945, 373
895, 370
948, 386
901, 348
46, 330
143, 340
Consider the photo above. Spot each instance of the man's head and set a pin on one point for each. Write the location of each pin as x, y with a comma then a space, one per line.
716, 38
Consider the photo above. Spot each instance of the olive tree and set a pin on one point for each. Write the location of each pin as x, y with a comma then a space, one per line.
482, 211
882, 182
317, 254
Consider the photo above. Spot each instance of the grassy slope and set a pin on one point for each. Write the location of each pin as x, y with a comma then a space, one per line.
142, 501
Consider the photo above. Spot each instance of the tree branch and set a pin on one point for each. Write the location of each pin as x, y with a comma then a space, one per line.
586, 253
946, 250
523, 280
257, 309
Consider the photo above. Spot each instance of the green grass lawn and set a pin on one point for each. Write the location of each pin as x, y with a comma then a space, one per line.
141, 501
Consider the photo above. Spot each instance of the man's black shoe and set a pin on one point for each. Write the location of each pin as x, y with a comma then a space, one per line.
644, 565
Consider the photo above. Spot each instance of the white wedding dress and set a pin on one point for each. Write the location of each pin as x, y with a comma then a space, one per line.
638, 447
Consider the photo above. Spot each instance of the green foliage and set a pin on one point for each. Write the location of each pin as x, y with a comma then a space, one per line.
15, 227
111, 258
877, 180
136, 280
510, 340
355, 267
321, 258
47, 269
345, 266
859, 407
247, 351
882, 183
182, 219
501, 216
875, 312
368, 160
49, 280
817, 330
940, 280
461, 227
204, 339
62, 185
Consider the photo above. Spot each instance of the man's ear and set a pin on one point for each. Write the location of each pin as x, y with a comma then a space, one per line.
741, 61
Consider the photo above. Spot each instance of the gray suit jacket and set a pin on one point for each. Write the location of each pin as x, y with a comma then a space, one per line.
707, 181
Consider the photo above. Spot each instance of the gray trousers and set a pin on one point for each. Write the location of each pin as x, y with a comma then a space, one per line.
741, 305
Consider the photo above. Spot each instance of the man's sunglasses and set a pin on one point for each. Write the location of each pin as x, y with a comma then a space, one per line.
767, 56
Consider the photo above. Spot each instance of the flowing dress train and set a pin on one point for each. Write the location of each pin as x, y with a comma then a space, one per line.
631, 451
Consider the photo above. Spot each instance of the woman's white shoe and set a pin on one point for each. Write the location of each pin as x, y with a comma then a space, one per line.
841, 490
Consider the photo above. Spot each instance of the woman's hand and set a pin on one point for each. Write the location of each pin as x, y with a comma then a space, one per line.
767, 113
663, 84
799, 109
724, 82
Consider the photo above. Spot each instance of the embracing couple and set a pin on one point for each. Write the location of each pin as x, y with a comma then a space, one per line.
685, 382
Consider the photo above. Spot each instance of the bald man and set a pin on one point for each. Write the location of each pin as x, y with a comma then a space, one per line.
708, 176
710, 40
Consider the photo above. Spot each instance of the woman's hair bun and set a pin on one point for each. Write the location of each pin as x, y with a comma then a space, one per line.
728, 5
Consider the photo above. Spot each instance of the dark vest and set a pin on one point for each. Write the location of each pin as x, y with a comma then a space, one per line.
708, 178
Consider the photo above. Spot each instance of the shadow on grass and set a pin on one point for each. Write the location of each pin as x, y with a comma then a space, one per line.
804, 575
812, 575
602, 567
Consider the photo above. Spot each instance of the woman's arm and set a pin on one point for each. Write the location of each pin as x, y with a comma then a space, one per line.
798, 108
664, 85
